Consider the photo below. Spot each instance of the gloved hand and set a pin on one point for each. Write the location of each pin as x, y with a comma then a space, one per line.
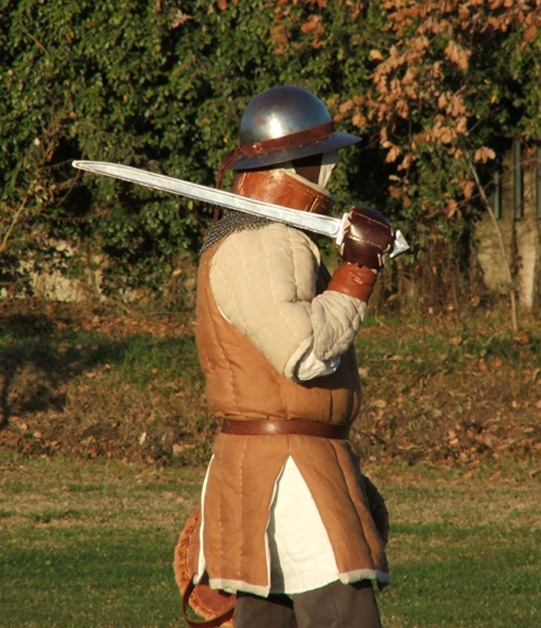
367, 237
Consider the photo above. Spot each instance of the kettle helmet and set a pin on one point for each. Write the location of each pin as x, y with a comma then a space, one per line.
283, 124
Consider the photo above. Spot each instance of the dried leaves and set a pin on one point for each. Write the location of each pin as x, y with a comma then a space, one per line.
423, 93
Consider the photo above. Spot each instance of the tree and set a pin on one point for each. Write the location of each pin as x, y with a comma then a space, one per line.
162, 85
450, 81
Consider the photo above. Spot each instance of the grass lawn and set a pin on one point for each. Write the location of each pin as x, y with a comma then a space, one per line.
464, 551
91, 544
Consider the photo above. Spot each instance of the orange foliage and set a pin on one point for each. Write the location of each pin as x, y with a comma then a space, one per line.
483, 154
424, 69
222, 4
313, 25
411, 79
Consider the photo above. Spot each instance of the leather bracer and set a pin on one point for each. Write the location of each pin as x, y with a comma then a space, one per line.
353, 280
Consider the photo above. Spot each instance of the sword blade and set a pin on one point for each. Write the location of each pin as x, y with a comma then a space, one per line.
324, 225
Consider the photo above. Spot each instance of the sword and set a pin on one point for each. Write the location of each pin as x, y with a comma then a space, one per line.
334, 228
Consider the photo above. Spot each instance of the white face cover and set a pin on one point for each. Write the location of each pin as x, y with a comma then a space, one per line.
328, 163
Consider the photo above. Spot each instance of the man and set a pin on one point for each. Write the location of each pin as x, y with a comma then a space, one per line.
286, 522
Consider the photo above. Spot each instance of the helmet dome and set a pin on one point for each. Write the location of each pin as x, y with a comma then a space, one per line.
285, 123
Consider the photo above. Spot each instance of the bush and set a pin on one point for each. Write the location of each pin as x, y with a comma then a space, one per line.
162, 85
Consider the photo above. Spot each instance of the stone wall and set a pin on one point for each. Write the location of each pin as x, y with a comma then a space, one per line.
519, 224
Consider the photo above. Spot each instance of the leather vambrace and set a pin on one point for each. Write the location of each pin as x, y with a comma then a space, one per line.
354, 280
368, 236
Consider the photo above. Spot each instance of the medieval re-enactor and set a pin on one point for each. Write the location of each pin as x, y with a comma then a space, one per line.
285, 518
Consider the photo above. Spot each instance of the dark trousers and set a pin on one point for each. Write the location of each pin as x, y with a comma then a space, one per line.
335, 605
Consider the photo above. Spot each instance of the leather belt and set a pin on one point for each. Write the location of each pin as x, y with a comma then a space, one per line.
261, 427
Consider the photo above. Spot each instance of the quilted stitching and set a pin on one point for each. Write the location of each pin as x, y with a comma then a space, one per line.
264, 284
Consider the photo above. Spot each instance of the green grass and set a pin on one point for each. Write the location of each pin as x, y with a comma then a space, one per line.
82, 577
465, 551
91, 544
66, 354
85, 541
465, 576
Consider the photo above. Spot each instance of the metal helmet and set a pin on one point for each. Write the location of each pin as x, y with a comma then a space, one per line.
283, 124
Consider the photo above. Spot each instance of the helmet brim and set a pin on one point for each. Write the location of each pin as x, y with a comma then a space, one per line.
335, 141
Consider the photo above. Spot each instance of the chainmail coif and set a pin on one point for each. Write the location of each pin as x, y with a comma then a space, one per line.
231, 222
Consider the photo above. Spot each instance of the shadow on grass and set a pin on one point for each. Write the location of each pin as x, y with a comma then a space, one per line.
76, 383
50, 354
